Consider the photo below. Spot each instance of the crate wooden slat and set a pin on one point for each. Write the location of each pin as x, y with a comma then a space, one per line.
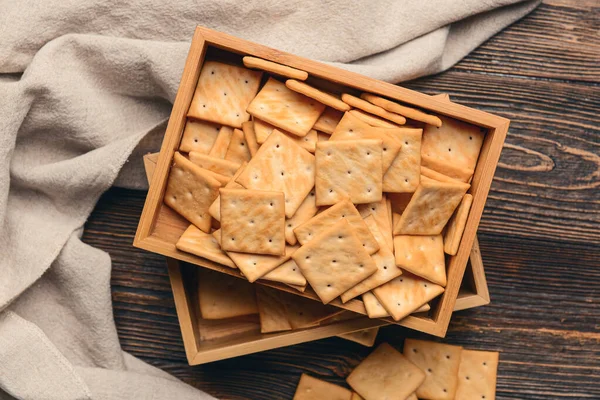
159, 227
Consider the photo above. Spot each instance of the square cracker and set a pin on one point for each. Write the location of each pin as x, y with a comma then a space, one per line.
403, 174
203, 245
430, 207
385, 374
304, 313
281, 165
250, 137
450, 170
405, 294
422, 256
366, 337
436, 176
288, 273
344, 209
221, 144
456, 225
373, 306
224, 296
216, 165
477, 375
263, 130
223, 93
215, 208
306, 211
351, 127
285, 109
310, 388
379, 211
271, 311
348, 169
252, 221
238, 150
440, 363
198, 136
455, 143
190, 191
334, 261
384, 260
328, 120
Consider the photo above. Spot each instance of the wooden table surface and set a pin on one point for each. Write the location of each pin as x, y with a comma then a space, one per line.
539, 236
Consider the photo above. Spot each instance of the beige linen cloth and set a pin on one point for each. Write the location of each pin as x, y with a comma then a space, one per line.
86, 87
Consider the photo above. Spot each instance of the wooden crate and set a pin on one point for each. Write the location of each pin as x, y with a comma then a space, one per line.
160, 227
207, 341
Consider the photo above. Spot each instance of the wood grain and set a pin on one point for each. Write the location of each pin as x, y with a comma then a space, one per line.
539, 235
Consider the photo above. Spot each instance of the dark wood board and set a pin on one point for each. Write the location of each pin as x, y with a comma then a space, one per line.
539, 236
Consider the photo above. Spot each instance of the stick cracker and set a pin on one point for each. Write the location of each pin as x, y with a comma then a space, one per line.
314, 93
278, 69
373, 109
408, 112
373, 120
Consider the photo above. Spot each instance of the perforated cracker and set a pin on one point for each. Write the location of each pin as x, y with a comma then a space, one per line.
310, 388
344, 209
252, 221
190, 191
384, 260
288, 273
223, 93
440, 362
306, 211
221, 144
379, 211
477, 375
422, 256
281, 165
198, 136
405, 294
348, 169
334, 261
215, 208
238, 150
403, 174
216, 165
430, 207
203, 245
285, 109
385, 374
328, 120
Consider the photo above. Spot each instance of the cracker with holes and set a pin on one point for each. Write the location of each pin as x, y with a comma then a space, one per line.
288, 273
372, 119
456, 225
275, 68
408, 112
477, 375
217, 165
281, 165
224, 296
385, 374
459, 173
384, 260
422, 256
328, 120
271, 311
221, 143
238, 150
343, 210
307, 142
215, 208
250, 137
366, 337
440, 362
252, 221
323, 97
379, 211
351, 128
304, 313
430, 207
455, 143
190, 191
198, 136
334, 261
223, 93
285, 109
436, 176
403, 174
373, 306
349, 169
373, 109
405, 294
306, 211
203, 245
310, 388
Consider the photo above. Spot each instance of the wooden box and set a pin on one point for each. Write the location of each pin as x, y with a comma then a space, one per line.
160, 227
